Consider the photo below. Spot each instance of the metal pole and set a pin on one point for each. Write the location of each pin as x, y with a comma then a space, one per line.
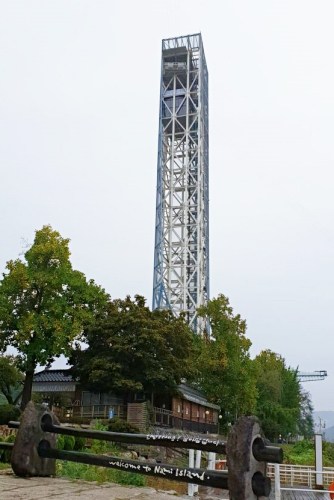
164, 440
197, 466
277, 482
211, 460
191, 466
171, 472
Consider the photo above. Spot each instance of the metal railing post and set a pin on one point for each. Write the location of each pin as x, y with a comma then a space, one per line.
191, 466
211, 460
198, 457
277, 482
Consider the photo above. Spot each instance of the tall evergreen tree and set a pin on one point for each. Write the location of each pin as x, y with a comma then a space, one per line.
279, 395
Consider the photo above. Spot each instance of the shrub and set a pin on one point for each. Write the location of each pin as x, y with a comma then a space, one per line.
60, 441
6, 454
65, 442
117, 425
301, 453
69, 443
80, 443
98, 445
86, 472
8, 412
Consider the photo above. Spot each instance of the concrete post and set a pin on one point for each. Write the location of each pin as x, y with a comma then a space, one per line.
25, 460
246, 476
319, 481
277, 483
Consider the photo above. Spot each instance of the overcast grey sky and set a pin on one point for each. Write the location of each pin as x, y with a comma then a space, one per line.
79, 98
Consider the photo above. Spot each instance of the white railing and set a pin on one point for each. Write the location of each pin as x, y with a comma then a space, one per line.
295, 477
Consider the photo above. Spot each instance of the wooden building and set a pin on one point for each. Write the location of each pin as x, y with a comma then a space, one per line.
187, 410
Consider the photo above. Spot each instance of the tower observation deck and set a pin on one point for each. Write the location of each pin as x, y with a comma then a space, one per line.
181, 256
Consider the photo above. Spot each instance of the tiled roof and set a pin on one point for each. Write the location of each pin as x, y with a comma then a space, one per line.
195, 396
53, 376
188, 393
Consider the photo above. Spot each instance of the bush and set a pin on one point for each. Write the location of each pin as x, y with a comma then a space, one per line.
60, 441
80, 443
75, 470
5, 455
117, 425
65, 442
69, 443
99, 446
8, 412
300, 453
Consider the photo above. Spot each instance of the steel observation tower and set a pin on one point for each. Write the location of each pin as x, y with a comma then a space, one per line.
181, 255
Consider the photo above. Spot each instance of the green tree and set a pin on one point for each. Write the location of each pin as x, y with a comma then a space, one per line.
44, 304
306, 423
134, 349
224, 369
11, 379
279, 395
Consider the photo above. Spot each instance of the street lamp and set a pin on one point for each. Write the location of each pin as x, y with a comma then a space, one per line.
206, 419
220, 417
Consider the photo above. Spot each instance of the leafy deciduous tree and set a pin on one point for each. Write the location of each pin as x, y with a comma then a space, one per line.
279, 395
306, 423
44, 304
134, 349
225, 370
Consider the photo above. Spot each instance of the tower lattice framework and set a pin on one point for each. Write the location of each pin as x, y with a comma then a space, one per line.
181, 257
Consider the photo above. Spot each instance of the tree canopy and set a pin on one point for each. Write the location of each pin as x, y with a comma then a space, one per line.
279, 401
306, 422
264, 386
11, 379
132, 348
44, 303
47, 307
224, 368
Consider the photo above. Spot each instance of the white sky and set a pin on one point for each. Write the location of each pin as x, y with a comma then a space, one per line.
79, 99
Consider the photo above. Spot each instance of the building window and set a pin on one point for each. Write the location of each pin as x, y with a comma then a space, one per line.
178, 408
90, 398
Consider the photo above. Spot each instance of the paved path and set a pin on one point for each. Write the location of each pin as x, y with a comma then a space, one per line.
302, 495
38, 488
